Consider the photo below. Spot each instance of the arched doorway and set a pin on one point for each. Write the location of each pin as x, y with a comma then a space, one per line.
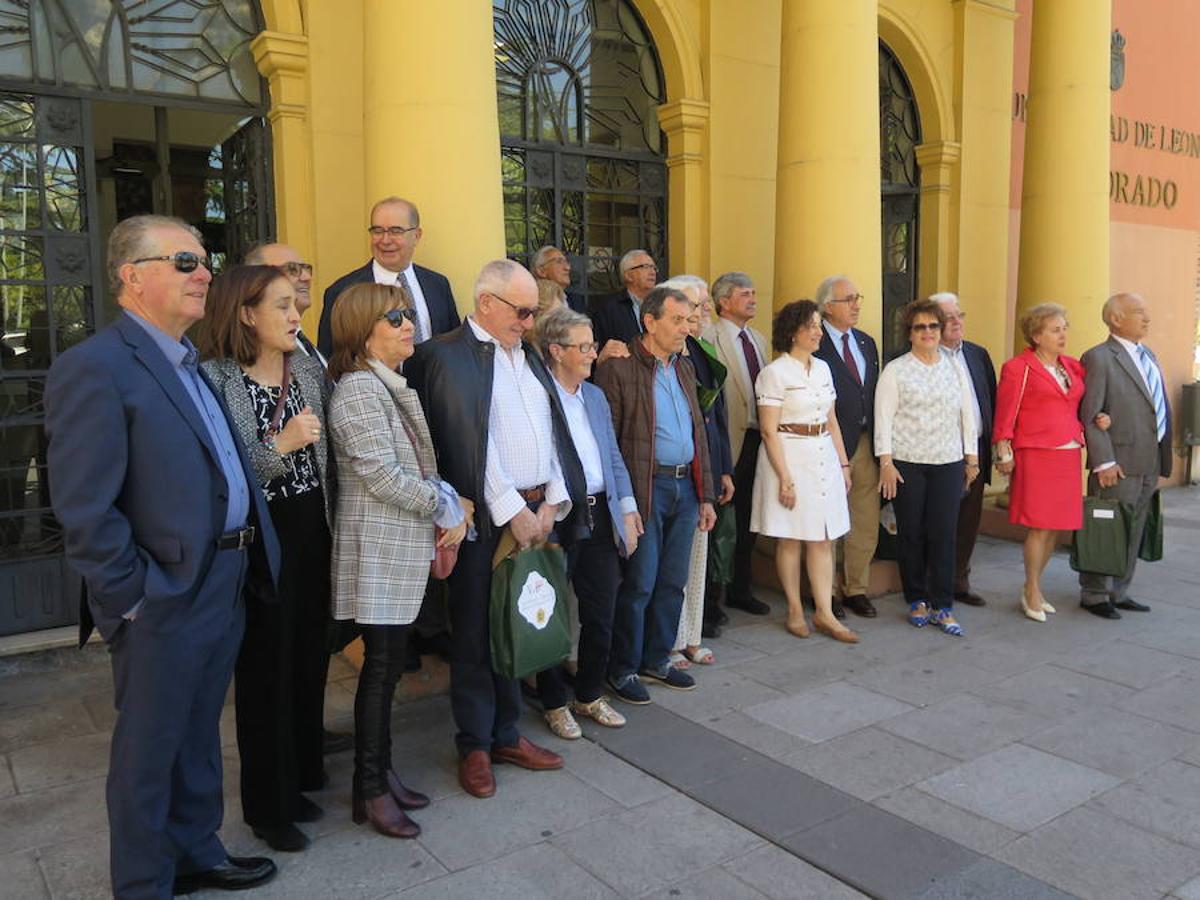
107, 109
578, 88
900, 177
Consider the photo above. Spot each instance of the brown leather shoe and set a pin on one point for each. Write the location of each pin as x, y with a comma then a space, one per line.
475, 774
527, 755
385, 816
405, 797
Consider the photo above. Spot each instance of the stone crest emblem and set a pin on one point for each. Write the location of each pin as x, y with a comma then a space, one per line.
1116, 71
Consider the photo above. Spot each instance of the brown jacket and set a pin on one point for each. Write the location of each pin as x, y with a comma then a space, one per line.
629, 386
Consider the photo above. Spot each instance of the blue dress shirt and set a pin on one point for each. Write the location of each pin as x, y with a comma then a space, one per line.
673, 444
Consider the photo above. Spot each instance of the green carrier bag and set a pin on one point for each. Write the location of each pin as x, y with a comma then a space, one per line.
529, 618
1102, 544
1152, 535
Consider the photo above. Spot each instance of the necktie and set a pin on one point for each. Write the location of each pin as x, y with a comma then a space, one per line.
751, 355
848, 357
418, 326
1154, 380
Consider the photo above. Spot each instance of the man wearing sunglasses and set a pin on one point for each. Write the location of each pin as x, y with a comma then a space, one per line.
395, 231
502, 441
162, 517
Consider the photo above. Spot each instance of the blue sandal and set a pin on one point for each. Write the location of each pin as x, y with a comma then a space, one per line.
944, 619
914, 618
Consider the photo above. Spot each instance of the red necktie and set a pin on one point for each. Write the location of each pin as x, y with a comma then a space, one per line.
849, 358
751, 357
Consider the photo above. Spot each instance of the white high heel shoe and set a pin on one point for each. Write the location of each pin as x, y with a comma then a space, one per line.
1036, 614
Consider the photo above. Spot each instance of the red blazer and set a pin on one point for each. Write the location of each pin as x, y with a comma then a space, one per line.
1040, 416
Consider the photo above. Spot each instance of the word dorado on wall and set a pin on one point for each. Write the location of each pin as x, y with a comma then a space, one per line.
1146, 190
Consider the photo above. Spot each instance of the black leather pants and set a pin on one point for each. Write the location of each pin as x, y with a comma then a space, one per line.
383, 662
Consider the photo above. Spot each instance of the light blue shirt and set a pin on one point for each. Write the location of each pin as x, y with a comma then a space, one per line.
855, 351
673, 443
183, 359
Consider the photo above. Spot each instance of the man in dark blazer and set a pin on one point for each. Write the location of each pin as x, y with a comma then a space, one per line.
163, 518
1125, 462
552, 264
616, 318
395, 232
976, 367
854, 360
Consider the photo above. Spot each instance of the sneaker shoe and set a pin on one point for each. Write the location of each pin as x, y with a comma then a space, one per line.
630, 689
672, 678
600, 711
563, 724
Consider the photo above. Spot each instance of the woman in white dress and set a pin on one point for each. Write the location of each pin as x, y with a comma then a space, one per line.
803, 475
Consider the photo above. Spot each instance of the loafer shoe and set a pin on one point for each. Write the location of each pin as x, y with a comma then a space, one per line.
475, 774
672, 678
860, 605
528, 755
1131, 605
285, 838
1104, 610
970, 599
631, 690
748, 603
237, 873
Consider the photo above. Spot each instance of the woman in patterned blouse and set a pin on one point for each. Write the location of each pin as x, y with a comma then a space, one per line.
927, 447
247, 339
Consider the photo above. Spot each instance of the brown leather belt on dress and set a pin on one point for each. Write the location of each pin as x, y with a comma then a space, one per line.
804, 430
534, 494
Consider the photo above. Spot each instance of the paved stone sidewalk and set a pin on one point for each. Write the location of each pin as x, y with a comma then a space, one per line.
1023, 760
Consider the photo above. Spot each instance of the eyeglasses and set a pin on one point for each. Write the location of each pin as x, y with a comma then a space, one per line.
642, 266
184, 260
852, 298
397, 317
927, 326
523, 312
378, 231
584, 348
295, 269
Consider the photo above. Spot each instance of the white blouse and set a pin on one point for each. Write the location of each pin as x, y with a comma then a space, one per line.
923, 413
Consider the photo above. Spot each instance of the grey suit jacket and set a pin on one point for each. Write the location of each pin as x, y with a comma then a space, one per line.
737, 401
226, 376
1115, 386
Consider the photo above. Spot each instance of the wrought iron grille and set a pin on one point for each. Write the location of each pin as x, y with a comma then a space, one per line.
899, 135
578, 88
198, 49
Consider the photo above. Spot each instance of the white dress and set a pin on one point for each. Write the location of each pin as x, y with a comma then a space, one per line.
821, 511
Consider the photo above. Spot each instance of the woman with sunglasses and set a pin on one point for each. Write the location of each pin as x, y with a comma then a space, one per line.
927, 447
277, 399
390, 499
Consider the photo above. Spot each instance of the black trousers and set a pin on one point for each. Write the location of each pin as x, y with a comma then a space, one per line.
385, 649
279, 687
485, 705
970, 512
743, 500
926, 508
594, 569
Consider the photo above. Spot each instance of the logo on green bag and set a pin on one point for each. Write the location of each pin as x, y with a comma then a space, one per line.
536, 601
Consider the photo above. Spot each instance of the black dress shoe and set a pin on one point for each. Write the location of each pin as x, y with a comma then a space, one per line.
748, 603
336, 742
307, 811
1131, 605
970, 599
284, 838
1104, 610
839, 610
237, 873
710, 630
860, 605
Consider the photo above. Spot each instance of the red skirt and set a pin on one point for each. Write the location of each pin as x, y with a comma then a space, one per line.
1046, 489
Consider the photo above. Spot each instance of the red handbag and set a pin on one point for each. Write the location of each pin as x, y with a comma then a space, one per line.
444, 558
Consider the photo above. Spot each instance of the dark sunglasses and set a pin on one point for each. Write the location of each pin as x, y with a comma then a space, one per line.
293, 269
184, 260
523, 312
396, 317
927, 326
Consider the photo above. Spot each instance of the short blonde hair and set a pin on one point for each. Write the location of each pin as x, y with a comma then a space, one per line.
549, 292
1034, 319
355, 313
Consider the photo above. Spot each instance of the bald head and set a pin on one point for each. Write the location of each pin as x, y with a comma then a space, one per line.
506, 299
299, 272
1127, 316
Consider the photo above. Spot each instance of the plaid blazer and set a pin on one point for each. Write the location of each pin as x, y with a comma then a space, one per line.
383, 529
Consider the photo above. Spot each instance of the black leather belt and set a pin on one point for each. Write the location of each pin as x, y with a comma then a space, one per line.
676, 472
237, 540
596, 499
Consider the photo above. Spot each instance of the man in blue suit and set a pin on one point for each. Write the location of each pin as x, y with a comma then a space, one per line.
395, 231
163, 518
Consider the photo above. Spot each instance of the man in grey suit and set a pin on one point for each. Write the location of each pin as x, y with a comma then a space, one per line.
1125, 462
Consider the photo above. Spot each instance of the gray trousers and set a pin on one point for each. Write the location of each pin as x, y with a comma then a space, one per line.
1137, 491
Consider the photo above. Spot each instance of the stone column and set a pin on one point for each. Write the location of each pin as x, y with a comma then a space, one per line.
1064, 198
827, 192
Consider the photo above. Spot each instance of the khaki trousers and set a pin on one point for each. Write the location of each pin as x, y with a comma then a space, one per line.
857, 548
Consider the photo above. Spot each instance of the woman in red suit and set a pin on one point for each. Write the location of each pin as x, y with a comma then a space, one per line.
1038, 441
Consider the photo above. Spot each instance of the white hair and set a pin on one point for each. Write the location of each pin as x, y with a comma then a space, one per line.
824, 295
494, 278
627, 260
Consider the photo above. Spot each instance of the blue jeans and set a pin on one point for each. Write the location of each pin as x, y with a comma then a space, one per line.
651, 595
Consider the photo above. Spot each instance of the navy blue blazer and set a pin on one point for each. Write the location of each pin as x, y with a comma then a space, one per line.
443, 314
136, 482
613, 318
617, 483
983, 379
855, 405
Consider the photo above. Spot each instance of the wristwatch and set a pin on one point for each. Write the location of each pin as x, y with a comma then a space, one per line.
269, 442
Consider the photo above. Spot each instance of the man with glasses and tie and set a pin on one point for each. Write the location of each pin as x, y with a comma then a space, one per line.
743, 351
1125, 462
300, 274
395, 232
853, 359
617, 318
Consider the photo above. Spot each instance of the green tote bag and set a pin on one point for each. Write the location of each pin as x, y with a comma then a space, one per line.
1101, 546
529, 618
1152, 535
